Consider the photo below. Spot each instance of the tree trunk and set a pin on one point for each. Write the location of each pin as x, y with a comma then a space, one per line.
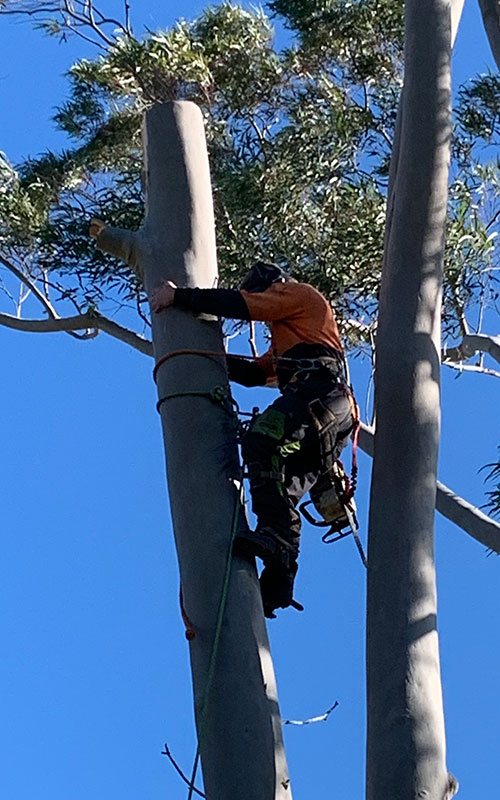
406, 737
490, 11
239, 728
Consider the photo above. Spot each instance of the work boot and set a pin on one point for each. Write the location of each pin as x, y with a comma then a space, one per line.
265, 543
276, 588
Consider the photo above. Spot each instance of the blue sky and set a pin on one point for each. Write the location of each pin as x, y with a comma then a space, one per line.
93, 663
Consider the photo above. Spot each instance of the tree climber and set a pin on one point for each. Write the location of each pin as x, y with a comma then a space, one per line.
297, 438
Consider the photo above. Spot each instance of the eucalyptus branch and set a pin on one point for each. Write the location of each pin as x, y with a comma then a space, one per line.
461, 367
87, 18
75, 15
31, 286
79, 322
474, 343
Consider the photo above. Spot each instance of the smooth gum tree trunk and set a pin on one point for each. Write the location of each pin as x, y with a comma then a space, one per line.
406, 736
490, 11
240, 729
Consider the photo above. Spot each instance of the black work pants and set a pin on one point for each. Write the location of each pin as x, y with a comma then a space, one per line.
284, 453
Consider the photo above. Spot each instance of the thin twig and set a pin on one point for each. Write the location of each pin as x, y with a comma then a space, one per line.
169, 755
141, 313
251, 339
321, 718
30, 285
4, 289
86, 20
128, 26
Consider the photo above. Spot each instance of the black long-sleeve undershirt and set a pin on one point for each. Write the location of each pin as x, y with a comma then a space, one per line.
245, 372
223, 303
220, 302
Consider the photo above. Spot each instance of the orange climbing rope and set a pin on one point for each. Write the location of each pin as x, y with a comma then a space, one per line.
206, 353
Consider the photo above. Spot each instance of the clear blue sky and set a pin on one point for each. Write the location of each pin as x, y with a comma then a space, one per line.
94, 666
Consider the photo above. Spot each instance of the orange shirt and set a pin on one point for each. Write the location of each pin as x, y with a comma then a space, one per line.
297, 313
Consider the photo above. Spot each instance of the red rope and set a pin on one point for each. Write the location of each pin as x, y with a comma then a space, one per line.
354, 466
206, 353
190, 631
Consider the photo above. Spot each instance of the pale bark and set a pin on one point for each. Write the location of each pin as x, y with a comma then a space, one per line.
241, 739
457, 510
122, 244
490, 11
406, 738
456, 15
474, 343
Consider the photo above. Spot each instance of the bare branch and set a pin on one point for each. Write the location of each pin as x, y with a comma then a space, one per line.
461, 367
490, 11
75, 15
455, 508
472, 344
468, 517
78, 323
86, 18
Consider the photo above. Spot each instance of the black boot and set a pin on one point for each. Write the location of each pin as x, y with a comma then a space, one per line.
276, 587
266, 543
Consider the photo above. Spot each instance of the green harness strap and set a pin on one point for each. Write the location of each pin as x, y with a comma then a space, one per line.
219, 394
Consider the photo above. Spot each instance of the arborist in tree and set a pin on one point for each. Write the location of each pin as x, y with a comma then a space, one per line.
299, 437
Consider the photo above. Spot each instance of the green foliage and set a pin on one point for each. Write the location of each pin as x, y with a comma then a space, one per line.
299, 143
362, 37
493, 503
287, 134
479, 107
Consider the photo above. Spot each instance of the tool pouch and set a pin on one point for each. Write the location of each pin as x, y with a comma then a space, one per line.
325, 422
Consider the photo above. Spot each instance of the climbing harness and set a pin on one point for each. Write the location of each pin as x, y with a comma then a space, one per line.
333, 494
